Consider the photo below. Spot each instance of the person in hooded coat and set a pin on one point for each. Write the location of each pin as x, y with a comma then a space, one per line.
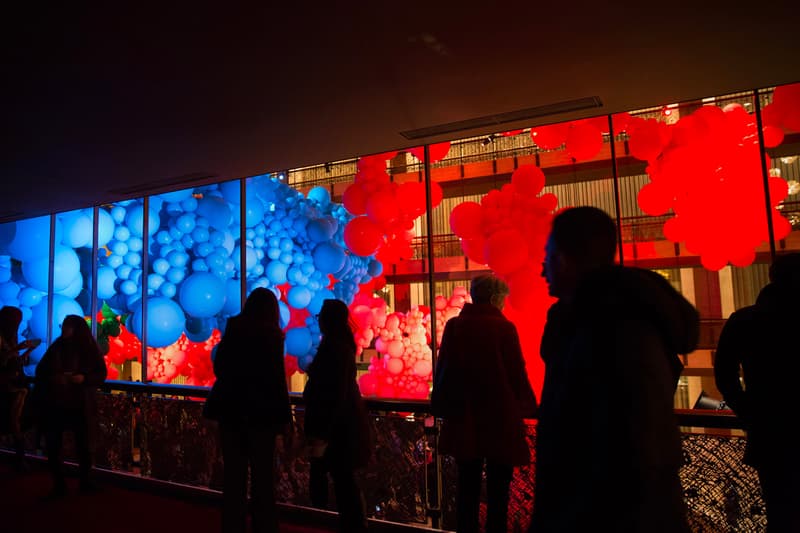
482, 394
67, 378
759, 341
608, 447
336, 421
250, 400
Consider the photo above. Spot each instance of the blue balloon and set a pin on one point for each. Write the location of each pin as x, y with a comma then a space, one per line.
200, 235
128, 287
175, 274
154, 282
230, 191
9, 291
298, 341
329, 257
299, 297
190, 204
185, 223
135, 244
285, 314
320, 195
165, 322
117, 214
276, 272
76, 229
62, 306
160, 266
168, 289
176, 196
31, 240
216, 210
134, 219
105, 282
202, 295
375, 268
122, 233
321, 229
29, 297
315, 305
199, 329
233, 297
254, 212
73, 289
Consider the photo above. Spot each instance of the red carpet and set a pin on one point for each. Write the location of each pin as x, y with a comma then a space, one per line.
113, 509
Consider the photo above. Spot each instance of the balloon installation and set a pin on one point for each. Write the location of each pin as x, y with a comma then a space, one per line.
583, 138
706, 168
293, 244
507, 231
403, 365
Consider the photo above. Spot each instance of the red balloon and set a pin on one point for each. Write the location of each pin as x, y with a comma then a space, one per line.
382, 208
787, 98
550, 137
773, 136
465, 220
362, 237
644, 139
436, 194
474, 249
621, 122
511, 133
528, 180
654, 200
355, 199
437, 151
584, 140
506, 251
778, 190
411, 197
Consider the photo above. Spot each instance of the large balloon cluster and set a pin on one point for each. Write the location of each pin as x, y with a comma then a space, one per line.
507, 231
403, 366
385, 210
583, 138
25, 266
293, 244
707, 169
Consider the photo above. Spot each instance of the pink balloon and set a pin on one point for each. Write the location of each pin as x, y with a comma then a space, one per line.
394, 365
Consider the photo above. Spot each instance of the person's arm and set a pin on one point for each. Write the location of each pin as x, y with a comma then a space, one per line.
727, 364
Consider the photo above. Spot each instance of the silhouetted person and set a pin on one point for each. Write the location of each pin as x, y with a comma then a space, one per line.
66, 384
608, 447
761, 342
336, 423
13, 385
250, 399
482, 393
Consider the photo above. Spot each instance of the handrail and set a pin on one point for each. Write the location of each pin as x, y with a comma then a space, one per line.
686, 417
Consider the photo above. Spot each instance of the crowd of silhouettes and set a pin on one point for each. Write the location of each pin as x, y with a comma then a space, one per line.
607, 444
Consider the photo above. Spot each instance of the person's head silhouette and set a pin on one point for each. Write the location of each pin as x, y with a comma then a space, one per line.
262, 306
581, 240
488, 289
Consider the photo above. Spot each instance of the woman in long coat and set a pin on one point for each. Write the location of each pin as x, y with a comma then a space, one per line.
336, 418
482, 393
250, 399
67, 377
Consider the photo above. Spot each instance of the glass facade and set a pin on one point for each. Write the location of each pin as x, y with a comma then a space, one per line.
704, 192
